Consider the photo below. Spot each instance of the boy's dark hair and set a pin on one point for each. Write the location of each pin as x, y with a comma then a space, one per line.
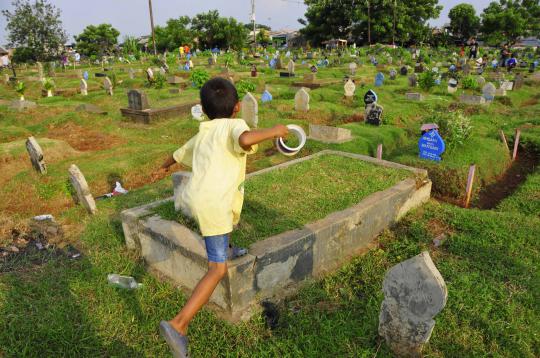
218, 98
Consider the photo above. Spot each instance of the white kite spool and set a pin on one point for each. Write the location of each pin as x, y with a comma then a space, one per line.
299, 133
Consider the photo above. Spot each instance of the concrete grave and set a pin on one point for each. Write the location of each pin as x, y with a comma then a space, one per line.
373, 114
250, 110
414, 96
83, 87
277, 265
90, 108
472, 99
489, 91
414, 293
175, 80
36, 155
413, 80
107, 84
507, 85
137, 100
83, 195
301, 100
500, 92
481, 81
22, 105
518, 81
327, 134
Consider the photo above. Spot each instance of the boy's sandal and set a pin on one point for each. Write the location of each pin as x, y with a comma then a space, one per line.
177, 342
235, 252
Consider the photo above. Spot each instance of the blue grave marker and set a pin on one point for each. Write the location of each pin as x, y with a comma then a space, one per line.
266, 97
379, 79
85, 75
431, 146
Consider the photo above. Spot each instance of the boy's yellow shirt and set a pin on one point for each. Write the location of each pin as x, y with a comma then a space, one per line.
214, 194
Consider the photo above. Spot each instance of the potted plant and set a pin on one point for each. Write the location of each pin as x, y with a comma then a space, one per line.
20, 88
48, 85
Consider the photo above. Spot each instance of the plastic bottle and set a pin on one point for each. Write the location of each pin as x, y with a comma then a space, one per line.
120, 281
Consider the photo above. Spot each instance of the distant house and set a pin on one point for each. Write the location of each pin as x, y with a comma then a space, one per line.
527, 42
288, 38
335, 43
3, 51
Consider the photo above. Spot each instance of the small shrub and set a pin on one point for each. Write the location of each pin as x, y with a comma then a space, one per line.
469, 83
455, 128
199, 77
243, 87
427, 80
48, 84
159, 81
20, 88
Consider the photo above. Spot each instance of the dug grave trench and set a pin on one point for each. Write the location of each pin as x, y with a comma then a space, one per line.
341, 202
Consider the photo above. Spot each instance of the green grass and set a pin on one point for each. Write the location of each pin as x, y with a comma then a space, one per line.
289, 198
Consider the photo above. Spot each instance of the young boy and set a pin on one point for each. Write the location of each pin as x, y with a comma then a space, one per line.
213, 196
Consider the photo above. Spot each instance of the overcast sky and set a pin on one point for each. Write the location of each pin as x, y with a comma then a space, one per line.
130, 17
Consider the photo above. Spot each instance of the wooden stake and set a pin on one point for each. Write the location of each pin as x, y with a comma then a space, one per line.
516, 143
379, 151
470, 180
503, 137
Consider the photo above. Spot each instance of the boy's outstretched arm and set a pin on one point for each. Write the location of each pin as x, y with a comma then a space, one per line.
158, 174
249, 138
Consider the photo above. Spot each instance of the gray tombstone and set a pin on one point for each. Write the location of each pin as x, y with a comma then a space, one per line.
352, 68
107, 84
36, 155
373, 114
518, 81
414, 293
481, 81
489, 91
327, 134
413, 80
290, 67
131, 73
250, 110
84, 197
466, 69
393, 74
414, 96
310, 77
137, 100
301, 100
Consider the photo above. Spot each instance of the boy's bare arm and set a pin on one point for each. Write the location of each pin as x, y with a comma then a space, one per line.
158, 174
249, 138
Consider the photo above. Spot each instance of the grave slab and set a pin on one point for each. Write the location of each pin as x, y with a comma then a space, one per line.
328, 134
275, 266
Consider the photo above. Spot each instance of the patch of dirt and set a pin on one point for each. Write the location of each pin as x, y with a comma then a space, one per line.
508, 182
84, 139
314, 118
356, 117
530, 102
505, 101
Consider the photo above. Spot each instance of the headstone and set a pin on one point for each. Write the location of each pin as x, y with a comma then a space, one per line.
301, 100
22, 105
507, 85
488, 91
352, 68
418, 67
310, 77
379, 79
149, 75
174, 80
481, 81
431, 146
373, 114
266, 96
279, 63
36, 155
79, 74
393, 74
131, 73
413, 80
403, 71
90, 108
40, 70
314, 69
107, 84
370, 97
290, 67
466, 69
414, 96
137, 100
349, 88
6, 78
414, 293
472, 99
83, 87
327, 134
250, 110
84, 197
197, 112
500, 92
452, 85
518, 81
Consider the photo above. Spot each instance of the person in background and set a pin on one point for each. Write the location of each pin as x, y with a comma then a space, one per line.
505, 54
473, 52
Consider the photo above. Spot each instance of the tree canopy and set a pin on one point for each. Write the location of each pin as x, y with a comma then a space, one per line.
507, 20
213, 30
97, 40
35, 30
463, 21
365, 20
176, 33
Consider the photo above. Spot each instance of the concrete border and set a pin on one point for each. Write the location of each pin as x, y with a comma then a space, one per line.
277, 265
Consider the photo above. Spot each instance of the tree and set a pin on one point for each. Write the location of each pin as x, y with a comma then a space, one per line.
463, 21
213, 30
508, 20
175, 34
35, 30
263, 37
97, 40
365, 20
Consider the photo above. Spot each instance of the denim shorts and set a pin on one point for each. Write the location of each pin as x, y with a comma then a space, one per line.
217, 247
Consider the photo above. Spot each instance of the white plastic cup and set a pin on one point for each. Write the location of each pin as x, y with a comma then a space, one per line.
299, 133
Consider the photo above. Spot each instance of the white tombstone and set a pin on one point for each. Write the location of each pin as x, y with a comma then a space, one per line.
108, 86
290, 67
149, 74
414, 293
250, 110
349, 88
36, 155
507, 85
452, 85
6, 78
197, 112
84, 197
301, 100
40, 71
352, 68
84, 87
